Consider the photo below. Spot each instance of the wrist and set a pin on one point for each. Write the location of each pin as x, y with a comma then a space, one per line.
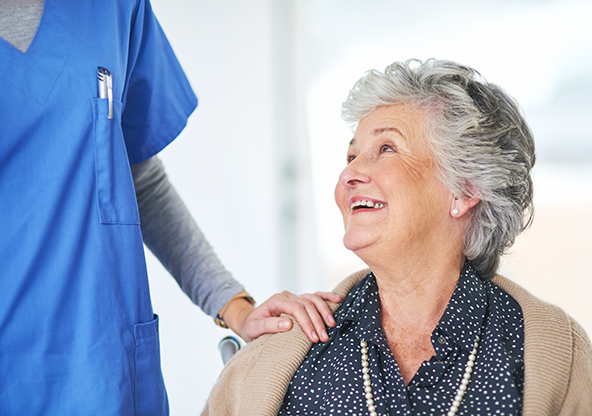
219, 319
236, 314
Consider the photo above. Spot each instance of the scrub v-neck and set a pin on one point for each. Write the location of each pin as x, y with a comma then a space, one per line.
21, 19
35, 71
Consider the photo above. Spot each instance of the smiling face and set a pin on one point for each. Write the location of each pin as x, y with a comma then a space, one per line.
388, 194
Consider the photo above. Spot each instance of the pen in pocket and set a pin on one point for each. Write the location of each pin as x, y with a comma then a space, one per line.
105, 84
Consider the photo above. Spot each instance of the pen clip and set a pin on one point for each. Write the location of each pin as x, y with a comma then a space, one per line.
105, 86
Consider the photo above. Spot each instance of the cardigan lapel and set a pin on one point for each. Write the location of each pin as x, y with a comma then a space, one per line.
546, 328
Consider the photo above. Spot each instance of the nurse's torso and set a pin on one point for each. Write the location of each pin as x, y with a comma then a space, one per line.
77, 331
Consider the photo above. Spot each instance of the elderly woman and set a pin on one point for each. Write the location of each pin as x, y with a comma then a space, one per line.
436, 188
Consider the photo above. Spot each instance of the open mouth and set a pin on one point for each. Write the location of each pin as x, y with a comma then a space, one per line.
365, 205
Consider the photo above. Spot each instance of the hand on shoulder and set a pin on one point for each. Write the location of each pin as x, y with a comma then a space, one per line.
310, 311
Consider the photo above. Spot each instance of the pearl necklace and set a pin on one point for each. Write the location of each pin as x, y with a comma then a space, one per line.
460, 392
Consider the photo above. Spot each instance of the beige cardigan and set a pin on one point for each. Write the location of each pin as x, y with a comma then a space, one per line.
557, 363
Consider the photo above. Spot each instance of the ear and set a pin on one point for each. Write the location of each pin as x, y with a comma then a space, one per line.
460, 206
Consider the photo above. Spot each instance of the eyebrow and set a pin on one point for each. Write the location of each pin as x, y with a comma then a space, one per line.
379, 131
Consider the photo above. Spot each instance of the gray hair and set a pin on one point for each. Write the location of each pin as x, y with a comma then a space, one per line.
481, 145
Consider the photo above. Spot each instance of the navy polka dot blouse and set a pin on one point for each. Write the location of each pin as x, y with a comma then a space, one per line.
329, 381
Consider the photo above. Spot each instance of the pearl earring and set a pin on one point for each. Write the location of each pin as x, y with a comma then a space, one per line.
455, 211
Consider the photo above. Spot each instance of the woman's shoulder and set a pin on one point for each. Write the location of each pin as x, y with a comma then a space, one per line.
253, 382
541, 319
527, 301
554, 343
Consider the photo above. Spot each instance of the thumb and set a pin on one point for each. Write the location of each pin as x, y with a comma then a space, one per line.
268, 326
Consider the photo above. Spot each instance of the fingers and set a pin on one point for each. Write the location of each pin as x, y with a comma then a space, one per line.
314, 313
306, 313
318, 299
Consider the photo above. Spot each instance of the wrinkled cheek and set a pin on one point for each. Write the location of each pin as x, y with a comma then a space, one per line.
338, 194
341, 201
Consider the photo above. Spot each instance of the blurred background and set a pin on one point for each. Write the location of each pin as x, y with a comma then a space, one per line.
259, 159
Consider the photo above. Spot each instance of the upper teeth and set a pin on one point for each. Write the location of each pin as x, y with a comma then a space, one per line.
369, 204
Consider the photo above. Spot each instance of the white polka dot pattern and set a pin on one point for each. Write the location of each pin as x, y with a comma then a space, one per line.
329, 381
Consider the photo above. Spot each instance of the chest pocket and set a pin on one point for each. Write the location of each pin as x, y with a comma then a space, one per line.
115, 186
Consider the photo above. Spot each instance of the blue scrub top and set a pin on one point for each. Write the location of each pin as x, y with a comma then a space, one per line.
77, 332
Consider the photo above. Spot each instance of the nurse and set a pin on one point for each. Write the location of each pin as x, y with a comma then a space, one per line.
78, 335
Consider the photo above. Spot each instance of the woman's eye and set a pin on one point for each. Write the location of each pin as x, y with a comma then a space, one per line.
386, 148
350, 158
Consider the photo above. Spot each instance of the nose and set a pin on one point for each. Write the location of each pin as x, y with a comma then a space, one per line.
354, 174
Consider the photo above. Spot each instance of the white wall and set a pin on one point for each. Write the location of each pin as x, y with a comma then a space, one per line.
228, 168
223, 167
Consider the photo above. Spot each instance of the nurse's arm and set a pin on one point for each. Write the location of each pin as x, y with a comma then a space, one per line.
171, 234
